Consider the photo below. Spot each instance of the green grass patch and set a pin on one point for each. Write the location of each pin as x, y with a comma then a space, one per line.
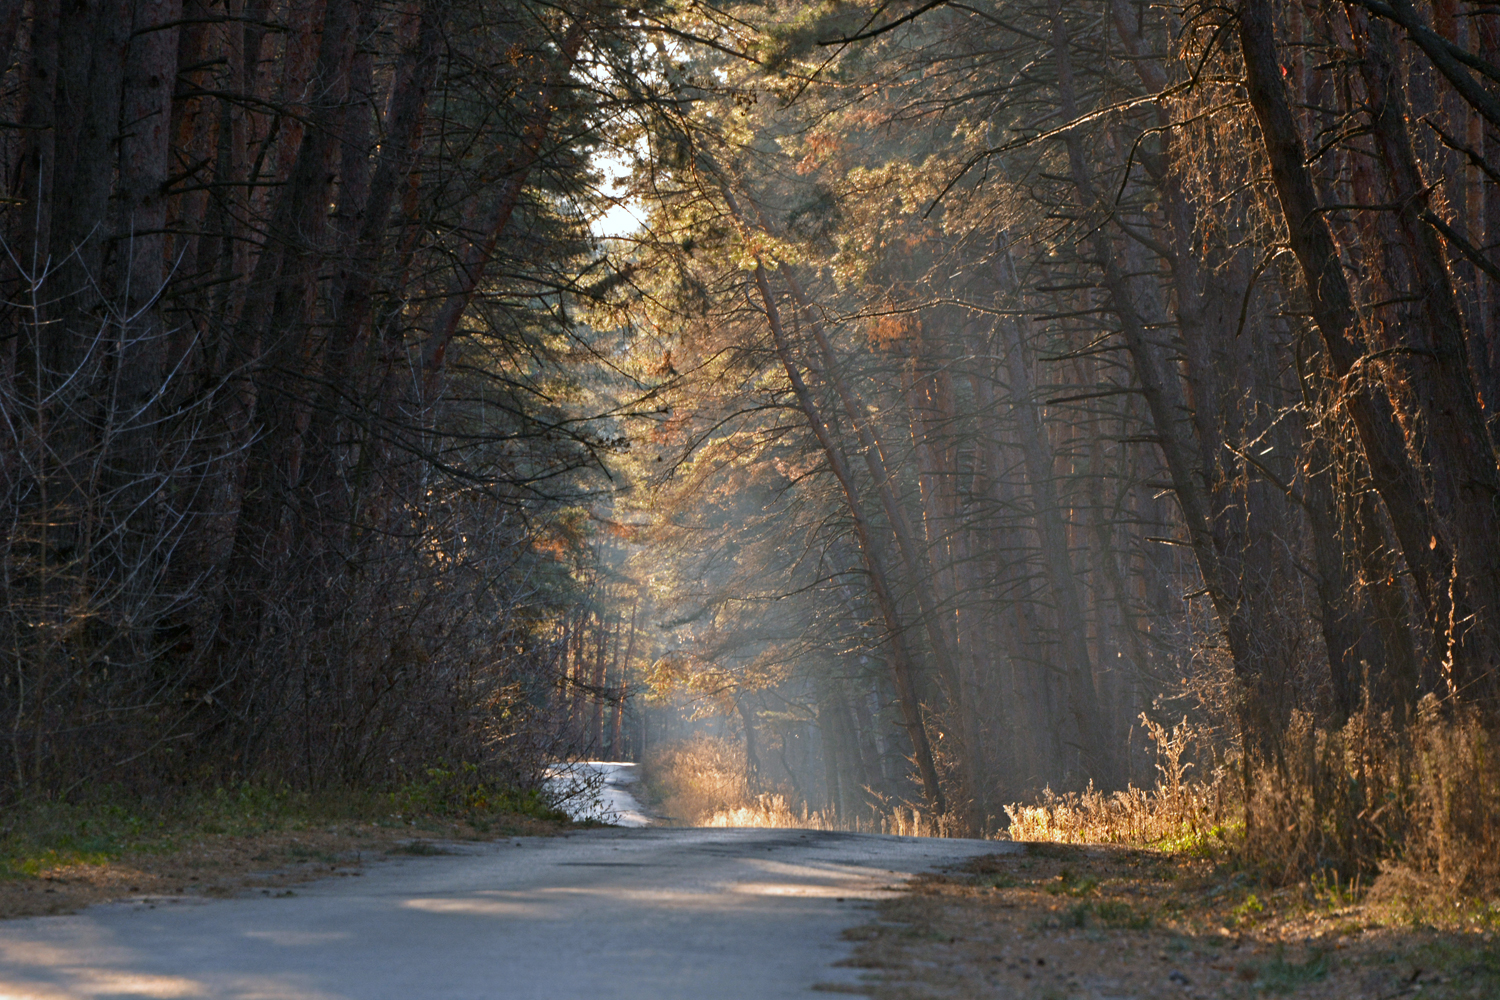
1199, 842
1248, 910
1472, 967
1120, 915
462, 791
1280, 976
1113, 914
107, 823
1070, 884
996, 881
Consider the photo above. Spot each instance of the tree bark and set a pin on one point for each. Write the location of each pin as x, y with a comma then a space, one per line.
1162, 391
1046, 513
1427, 550
1428, 369
902, 666
484, 224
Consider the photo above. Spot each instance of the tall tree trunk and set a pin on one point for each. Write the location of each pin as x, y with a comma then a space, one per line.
1428, 369
902, 666
1015, 634
917, 569
1428, 552
623, 674
406, 112
484, 223
752, 744
1485, 350
1046, 512
1162, 391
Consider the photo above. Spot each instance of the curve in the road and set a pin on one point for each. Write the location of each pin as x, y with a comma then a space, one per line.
601, 790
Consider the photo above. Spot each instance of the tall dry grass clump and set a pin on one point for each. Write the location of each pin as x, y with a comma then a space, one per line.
1133, 816
692, 779
701, 781
1328, 800
1374, 796
1412, 808
771, 809
1178, 811
1457, 810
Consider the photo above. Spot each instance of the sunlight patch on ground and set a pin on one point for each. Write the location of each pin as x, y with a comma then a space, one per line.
37, 953
104, 983
482, 906
815, 891
269, 988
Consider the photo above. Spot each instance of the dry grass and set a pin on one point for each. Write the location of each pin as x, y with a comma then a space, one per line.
691, 780
1134, 816
769, 810
701, 782
1407, 805
1406, 818
1359, 862
772, 810
1370, 802
1177, 814
1057, 921
222, 865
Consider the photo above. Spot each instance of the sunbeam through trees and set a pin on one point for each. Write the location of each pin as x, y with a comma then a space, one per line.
998, 403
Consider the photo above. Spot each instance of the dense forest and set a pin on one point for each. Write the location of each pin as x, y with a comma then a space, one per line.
937, 404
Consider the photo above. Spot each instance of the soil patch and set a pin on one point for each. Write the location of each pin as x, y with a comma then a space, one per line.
1064, 923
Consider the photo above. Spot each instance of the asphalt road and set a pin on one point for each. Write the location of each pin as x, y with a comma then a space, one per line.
632, 914
602, 790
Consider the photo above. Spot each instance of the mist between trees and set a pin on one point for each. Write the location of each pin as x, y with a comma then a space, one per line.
991, 388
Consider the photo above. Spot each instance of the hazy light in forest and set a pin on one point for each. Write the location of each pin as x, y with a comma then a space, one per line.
626, 216
623, 219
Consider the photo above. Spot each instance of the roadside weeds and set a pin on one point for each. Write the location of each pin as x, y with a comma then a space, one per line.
59, 858
1057, 922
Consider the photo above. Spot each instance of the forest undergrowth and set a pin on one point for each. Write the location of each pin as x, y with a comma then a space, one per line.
1411, 814
702, 781
1364, 866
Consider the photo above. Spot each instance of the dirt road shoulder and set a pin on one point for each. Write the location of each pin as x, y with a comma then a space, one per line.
1060, 922
269, 862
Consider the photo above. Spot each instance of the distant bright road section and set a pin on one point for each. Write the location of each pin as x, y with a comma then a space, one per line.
643, 914
615, 802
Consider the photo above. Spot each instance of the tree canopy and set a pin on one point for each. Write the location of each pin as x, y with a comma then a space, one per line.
985, 386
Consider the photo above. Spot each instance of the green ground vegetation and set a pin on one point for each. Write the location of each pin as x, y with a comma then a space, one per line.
105, 824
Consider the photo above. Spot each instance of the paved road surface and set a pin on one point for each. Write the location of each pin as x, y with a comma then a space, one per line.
608, 797
641, 914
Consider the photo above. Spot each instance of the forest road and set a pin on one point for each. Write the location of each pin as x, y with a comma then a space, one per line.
642, 914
